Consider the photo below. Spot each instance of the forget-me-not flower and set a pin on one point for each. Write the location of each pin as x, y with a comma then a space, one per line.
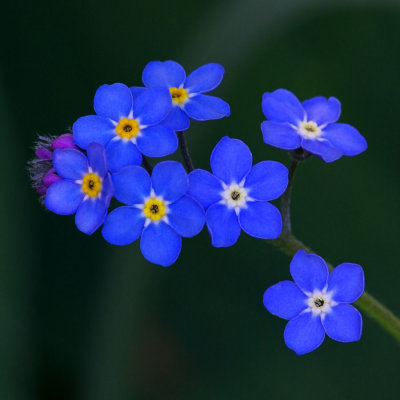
128, 124
236, 195
85, 189
158, 210
317, 303
310, 125
188, 100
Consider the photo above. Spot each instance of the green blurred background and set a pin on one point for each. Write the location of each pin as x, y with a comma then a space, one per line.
81, 319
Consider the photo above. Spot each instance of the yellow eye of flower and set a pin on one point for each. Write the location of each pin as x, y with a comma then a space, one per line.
309, 130
179, 95
154, 209
127, 128
91, 185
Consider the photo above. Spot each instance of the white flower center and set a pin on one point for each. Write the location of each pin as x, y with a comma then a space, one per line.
309, 130
235, 196
320, 302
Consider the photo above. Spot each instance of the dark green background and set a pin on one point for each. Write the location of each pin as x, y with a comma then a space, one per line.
81, 319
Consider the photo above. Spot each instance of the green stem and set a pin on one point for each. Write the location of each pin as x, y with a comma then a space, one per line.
289, 245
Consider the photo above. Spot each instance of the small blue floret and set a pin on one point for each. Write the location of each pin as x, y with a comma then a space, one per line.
311, 125
317, 303
236, 196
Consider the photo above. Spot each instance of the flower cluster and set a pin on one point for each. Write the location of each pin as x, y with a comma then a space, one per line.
105, 157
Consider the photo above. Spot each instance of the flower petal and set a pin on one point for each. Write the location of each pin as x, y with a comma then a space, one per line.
343, 323
322, 148
70, 163
267, 180
282, 106
137, 91
152, 106
90, 215
177, 119
346, 138
280, 135
132, 185
157, 141
93, 128
347, 282
96, 154
163, 74
231, 160
123, 226
113, 101
204, 187
160, 244
186, 216
169, 180
322, 110
65, 141
203, 108
309, 271
107, 190
285, 300
63, 197
304, 333
205, 78
261, 220
223, 225
121, 153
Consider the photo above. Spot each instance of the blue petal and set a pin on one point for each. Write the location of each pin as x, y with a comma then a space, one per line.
121, 153
322, 110
205, 78
160, 244
137, 91
223, 225
343, 323
261, 220
132, 185
346, 138
163, 74
282, 106
70, 163
347, 282
231, 160
123, 226
177, 119
97, 158
152, 106
113, 101
63, 197
309, 271
285, 300
107, 189
157, 141
204, 187
267, 180
203, 108
186, 216
92, 128
280, 135
90, 215
304, 333
169, 180
322, 148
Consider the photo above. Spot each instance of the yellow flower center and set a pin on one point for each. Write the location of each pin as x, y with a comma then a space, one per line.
309, 130
91, 184
127, 128
179, 95
154, 209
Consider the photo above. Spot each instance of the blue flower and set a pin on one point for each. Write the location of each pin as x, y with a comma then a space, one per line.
187, 95
236, 195
317, 303
128, 124
86, 188
310, 125
158, 210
